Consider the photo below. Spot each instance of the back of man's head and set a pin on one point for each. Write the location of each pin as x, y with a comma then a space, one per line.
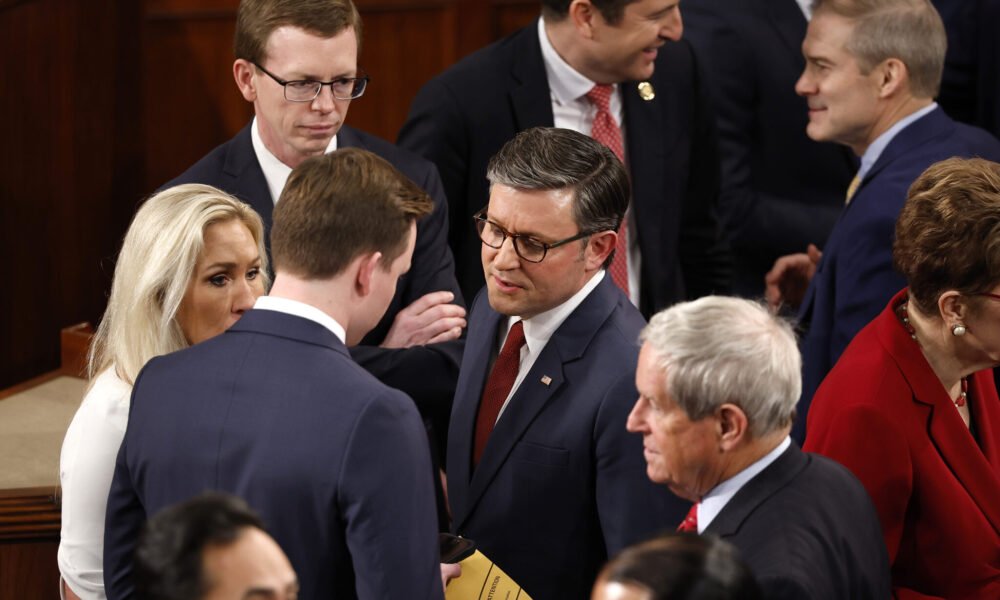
256, 20
908, 30
338, 206
170, 559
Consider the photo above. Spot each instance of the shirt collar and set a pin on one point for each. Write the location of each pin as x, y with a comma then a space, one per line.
876, 148
806, 6
275, 172
719, 496
539, 328
566, 83
300, 309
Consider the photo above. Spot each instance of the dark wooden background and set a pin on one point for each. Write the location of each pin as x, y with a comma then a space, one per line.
103, 101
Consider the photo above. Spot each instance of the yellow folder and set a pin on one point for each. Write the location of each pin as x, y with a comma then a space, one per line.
483, 580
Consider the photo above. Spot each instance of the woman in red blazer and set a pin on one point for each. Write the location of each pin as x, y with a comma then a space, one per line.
911, 406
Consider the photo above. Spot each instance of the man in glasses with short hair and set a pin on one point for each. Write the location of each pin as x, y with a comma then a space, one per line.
297, 62
541, 471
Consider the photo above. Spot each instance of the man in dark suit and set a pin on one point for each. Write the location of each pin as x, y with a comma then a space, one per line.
276, 412
591, 66
781, 191
879, 101
288, 52
541, 472
715, 412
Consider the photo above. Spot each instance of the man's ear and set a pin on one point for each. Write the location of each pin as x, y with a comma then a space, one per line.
582, 14
893, 76
243, 73
733, 425
599, 246
367, 263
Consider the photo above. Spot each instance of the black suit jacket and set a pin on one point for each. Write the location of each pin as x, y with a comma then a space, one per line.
275, 411
780, 190
426, 373
463, 117
807, 529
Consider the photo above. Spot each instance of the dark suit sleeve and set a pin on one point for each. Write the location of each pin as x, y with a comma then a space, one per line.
704, 253
631, 508
435, 130
391, 523
123, 521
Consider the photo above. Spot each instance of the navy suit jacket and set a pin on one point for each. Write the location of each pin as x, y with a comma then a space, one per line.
807, 529
781, 191
276, 412
855, 278
426, 373
463, 117
561, 486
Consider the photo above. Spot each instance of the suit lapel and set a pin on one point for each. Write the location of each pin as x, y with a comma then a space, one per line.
569, 342
768, 482
955, 444
529, 97
932, 125
246, 180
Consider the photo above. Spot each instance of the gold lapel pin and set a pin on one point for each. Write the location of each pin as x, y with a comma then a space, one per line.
646, 91
546, 379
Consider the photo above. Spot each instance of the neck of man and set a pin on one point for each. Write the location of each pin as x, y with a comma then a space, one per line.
328, 295
894, 111
565, 40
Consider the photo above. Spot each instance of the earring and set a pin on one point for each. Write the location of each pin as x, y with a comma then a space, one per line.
958, 330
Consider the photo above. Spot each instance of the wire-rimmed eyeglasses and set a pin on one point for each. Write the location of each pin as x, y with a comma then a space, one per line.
306, 90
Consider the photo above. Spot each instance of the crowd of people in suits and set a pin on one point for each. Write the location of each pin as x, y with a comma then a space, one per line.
288, 323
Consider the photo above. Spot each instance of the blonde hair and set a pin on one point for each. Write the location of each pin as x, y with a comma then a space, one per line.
154, 268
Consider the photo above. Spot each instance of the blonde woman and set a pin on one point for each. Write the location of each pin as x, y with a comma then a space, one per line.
192, 262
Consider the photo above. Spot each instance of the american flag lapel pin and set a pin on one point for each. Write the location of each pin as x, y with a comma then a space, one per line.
546, 379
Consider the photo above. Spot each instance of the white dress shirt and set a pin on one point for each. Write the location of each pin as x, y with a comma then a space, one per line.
719, 496
539, 328
571, 110
875, 149
275, 172
301, 309
86, 465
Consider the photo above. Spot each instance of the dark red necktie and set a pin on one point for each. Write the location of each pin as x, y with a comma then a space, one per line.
690, 522
498, 387
607, 132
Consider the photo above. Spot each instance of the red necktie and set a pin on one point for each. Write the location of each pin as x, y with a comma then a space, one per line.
690, 522
607, 132
498, 387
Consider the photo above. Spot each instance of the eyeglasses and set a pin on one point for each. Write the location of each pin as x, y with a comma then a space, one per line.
526, 247
306, 90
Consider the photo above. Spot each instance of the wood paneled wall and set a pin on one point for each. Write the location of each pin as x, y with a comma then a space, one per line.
104, 101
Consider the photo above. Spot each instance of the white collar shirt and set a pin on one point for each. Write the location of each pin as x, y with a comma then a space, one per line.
719, 496
806, 6
875, 149
300, 309
275, 172
539, 329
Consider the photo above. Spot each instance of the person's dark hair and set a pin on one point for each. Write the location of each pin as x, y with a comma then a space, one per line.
168, 558
337, 206
611, 10
548, 158
256, 20
684, 566
948, 232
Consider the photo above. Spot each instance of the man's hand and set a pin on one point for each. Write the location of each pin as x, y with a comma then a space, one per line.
429, 320
787, 281
449, 572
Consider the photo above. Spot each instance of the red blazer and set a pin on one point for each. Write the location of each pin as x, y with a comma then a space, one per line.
883, 413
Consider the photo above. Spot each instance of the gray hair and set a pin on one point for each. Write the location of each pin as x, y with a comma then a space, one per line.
909, 30
548, 158
156, 262
719, 350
